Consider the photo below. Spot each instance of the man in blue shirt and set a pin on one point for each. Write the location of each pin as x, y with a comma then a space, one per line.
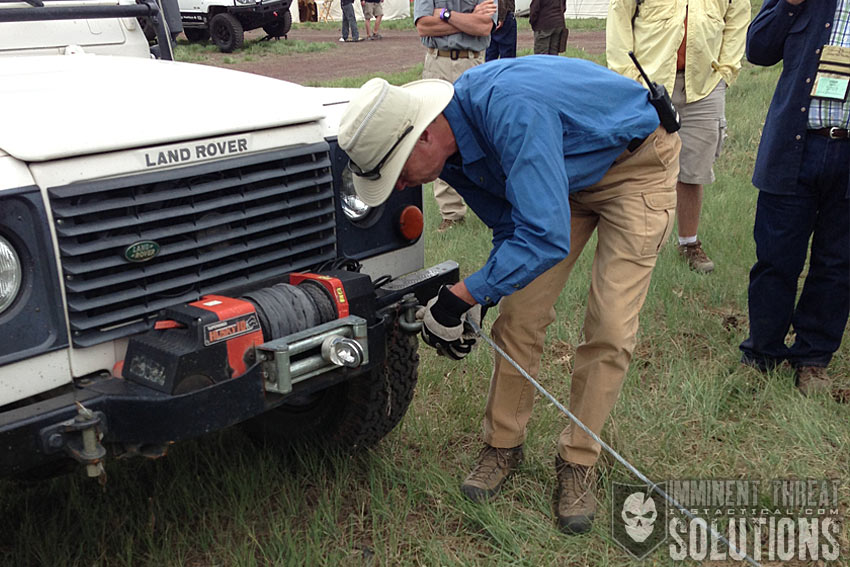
804, 184
543, 172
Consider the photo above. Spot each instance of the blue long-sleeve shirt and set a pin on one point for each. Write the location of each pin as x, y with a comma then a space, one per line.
530, 131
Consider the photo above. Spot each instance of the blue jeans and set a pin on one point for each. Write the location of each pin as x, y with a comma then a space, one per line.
348, 20
819, 208
503, 40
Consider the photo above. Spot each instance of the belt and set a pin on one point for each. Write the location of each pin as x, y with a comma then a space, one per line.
456, 54
833, 133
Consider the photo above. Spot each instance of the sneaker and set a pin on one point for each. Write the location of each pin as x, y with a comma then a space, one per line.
494, 467
812, 380
449, 223
576, 496
376, 36
343, 39
371, 37
697, 260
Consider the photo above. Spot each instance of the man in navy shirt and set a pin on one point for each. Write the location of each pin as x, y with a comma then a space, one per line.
803, 179
543, 172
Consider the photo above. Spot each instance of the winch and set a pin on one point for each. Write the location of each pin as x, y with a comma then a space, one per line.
216, 338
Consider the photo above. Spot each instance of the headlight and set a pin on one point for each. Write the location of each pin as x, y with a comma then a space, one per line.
352, 206
10, 274
243, 2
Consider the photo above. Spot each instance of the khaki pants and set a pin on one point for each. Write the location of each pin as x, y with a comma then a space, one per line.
632, 209
448, 200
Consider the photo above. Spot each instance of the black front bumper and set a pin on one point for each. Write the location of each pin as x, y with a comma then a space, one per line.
130, 414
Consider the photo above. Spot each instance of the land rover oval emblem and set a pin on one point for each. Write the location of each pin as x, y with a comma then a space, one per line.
141, 251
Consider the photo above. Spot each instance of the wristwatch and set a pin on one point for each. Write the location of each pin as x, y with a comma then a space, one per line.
445, 14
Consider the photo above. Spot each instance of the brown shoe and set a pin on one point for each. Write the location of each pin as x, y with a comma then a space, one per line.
697, 260
449, 223
576, 496
813, 380
494, 467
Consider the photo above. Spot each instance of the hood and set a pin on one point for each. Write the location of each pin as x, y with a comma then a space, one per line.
62, 106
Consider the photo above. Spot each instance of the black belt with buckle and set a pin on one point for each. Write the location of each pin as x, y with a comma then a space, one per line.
456, 54
833, 133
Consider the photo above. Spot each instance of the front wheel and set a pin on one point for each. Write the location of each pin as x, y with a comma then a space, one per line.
354, 414
226, 32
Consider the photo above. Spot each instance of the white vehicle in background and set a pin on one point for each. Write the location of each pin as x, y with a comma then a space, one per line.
165, 274
225, 21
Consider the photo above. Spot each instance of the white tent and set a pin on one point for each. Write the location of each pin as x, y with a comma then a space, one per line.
393, 10
576, 9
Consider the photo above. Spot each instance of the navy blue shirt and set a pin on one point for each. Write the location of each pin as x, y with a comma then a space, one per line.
530, 131
794, 35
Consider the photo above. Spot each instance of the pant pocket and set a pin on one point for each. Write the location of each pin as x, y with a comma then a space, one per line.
721, 136
659, 214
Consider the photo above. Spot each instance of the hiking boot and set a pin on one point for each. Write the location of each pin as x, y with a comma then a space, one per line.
449, 223
813, 380
576, 496
493, 468
697, 260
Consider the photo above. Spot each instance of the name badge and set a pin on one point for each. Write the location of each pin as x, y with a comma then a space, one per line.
833, 75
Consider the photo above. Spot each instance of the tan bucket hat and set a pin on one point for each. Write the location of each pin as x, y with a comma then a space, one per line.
381, 125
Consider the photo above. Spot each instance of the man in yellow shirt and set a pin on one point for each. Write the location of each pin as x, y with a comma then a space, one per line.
694, 48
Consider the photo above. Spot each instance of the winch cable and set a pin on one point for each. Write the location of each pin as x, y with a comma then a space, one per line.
651, 485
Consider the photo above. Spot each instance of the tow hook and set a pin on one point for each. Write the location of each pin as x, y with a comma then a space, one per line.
408, 321
84, 448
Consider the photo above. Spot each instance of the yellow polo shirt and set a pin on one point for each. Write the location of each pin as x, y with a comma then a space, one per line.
717, 32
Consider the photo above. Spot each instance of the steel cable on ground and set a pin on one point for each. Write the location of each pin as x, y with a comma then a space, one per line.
652, 486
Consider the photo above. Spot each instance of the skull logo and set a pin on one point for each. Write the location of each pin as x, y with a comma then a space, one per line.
639, 515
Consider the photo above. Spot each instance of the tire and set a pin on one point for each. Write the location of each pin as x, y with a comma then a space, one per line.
355, 414
279, 27
195, 35
226, 32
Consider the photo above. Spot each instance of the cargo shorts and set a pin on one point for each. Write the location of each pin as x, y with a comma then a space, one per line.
703, 132
372, 10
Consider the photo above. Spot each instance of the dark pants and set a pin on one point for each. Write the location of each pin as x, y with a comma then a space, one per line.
819, 209
503, 40
349, 21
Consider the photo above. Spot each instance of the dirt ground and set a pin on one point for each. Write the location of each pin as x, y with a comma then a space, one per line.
397, 51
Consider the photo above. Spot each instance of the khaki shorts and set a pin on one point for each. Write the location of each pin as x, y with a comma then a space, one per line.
372, 10
703, 132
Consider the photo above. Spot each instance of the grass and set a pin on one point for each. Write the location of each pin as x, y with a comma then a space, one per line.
687, 410
252, 50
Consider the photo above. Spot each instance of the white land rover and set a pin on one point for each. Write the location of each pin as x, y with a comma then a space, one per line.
165, 274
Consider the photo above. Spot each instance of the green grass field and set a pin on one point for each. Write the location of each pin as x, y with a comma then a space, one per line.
688, 410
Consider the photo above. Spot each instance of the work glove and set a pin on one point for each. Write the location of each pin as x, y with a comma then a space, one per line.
444, 324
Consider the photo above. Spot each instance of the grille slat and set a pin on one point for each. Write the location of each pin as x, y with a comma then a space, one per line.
191, 189
219, 226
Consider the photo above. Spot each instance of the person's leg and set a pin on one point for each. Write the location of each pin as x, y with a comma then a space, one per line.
507, 45
367, 17
451, 205
520, 329
378, 19
634, 222
822, 309
492, 51
620, 277
702, 133
355, 33
344, 33
541, 42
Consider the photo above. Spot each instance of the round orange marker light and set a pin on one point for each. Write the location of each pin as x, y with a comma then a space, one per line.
411, 222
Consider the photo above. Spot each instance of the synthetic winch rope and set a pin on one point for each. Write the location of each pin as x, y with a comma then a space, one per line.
652, 486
